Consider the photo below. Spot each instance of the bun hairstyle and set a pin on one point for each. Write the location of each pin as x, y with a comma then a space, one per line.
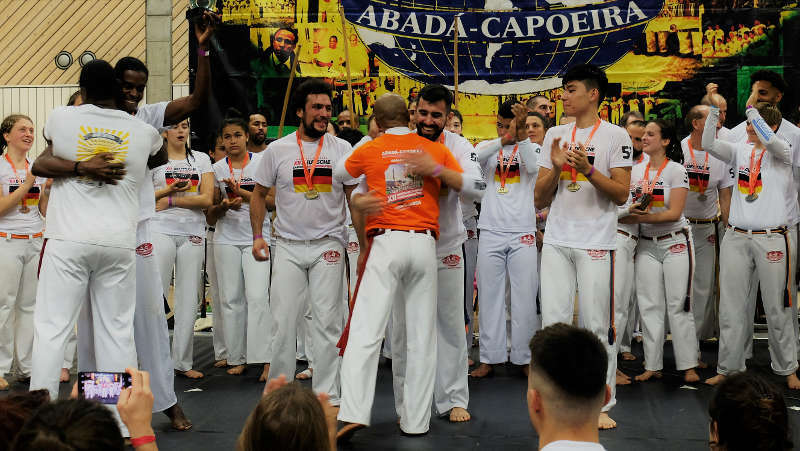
668, 131
6, 126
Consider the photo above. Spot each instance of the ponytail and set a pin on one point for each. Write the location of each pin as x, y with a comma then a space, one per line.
673, 149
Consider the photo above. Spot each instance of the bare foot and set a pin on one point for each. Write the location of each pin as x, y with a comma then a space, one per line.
459, 415
3, 384
64, 375
647, 375
605, 422
690, 376
264, 374
305, 375
347, 430
793, 382
714, 380
178, 418
701, 364
191, 374
628, 356
483, 370
236, 370
220, 363
622, 378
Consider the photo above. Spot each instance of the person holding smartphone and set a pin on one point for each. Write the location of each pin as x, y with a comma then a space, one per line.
664, 258
184, 187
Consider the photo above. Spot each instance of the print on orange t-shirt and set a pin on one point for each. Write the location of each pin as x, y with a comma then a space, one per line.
412, 200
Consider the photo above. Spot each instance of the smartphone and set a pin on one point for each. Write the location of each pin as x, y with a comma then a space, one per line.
182, 183
102, 387
644, 201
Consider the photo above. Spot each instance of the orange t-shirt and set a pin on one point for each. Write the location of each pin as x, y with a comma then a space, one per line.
412, 200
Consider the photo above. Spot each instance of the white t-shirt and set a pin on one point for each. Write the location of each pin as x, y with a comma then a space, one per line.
299, 218
586, 219
86, 211
513, 211
452, 232
14, 221
673, 176
153, 115
624, 210
182, 221
791, 134
234, 226
568, 445
715, 175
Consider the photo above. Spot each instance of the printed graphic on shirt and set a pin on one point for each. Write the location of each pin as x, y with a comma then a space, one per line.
698, 177
247, 184
93, 141
566, 169
400, 185
173, 175
31, 199
513, 170
322, 178
744, 181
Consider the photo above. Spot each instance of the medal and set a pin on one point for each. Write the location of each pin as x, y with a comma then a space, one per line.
647, 187
702, 197
312, 193
755, 170
504, 168
751, 197
700, 185
23, 206
574, 186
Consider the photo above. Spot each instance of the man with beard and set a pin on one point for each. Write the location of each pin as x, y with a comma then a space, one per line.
309, 243
257, 134
450, 393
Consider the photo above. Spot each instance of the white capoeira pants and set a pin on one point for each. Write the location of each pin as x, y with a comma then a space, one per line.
401, 269
470, 265
591, 271
513, 254
315, 267
767, 255
244, 298
663, 282
624, 283
705, 279
451, 387
69, 271
19, 261
220, 350
185, 254
149, 326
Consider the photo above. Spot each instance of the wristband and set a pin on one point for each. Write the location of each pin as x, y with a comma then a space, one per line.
539, 217
201, 52
591, 171
75, 168
257, 237
143, 440
169, 201
437, 170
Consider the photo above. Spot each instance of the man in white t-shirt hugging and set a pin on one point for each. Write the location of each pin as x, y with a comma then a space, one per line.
587, 166
91, 248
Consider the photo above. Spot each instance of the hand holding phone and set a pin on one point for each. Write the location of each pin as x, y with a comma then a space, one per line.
103, 387
644, 202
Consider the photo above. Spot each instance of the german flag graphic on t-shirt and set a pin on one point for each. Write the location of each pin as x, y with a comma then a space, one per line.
31, 199
513, 171
246, 183
566, 169
744, 181
322, 178
698, 177
171, 176
658, 196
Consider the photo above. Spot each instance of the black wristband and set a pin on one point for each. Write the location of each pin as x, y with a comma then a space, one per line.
75, 168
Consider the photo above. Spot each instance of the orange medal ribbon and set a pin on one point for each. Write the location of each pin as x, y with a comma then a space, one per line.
647, 187
22, 206
504, 168
755, 170
572, 144
309, 174
233, 176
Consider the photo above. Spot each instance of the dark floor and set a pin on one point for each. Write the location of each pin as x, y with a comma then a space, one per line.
657, 415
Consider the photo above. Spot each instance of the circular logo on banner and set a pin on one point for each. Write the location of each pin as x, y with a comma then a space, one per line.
332, 256
451, 261
504, 46
144, 249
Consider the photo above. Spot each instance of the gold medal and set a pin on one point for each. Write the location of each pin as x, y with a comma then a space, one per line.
502, 190
702, 197
751, 197
312, 194
573, 187
24, 208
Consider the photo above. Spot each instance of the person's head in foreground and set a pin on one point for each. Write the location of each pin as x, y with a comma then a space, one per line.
15, 409
567, 384
748, 413
289, 418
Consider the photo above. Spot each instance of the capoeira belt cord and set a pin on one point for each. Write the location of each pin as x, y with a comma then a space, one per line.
687, 303
612, 332
342, 344
787, 296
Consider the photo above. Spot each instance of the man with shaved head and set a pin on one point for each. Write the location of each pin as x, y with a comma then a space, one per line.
404, 173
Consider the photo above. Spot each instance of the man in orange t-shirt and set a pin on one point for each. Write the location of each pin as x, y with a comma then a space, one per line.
404, 173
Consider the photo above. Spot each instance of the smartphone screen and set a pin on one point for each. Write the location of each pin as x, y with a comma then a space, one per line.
102, 387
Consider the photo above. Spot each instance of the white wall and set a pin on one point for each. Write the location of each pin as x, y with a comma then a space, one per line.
38, 101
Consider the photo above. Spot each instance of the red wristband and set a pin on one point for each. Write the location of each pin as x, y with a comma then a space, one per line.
143, 440
591, 171
257, 237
